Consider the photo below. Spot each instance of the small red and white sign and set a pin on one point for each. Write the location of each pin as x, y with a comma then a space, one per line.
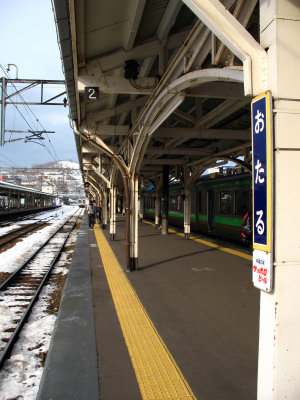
262, 270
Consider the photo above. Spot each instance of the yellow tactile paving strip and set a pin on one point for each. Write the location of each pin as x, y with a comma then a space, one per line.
157, 373
207, 243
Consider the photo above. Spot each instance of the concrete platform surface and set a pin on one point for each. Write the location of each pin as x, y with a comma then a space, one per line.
200, 300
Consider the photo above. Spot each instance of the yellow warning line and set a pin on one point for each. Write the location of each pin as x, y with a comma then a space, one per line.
157, 373
207, 243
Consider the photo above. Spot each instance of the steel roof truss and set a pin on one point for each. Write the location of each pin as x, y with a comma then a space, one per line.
117, 85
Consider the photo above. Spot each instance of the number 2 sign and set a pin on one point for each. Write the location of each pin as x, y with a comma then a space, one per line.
91, 93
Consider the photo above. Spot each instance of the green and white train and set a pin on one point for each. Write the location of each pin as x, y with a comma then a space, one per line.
219, 207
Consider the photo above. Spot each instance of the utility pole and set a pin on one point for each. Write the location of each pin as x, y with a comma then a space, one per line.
3, 104
6, 99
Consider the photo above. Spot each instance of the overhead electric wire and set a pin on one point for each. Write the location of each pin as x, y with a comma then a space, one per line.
5, 164
26, 105
8, 159
55, 157
16, 105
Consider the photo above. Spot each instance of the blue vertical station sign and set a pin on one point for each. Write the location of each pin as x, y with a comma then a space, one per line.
261, 116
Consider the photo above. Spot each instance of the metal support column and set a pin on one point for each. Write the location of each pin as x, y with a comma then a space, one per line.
134, 223
104, 210
3, 104
187, 213
114, 207
157, 207
112, 212
126, 208
165, 200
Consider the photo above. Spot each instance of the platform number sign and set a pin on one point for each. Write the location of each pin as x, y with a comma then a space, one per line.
91, 93
261, 116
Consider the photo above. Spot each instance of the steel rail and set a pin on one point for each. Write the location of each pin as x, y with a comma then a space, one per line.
19, 218
5, 354
21, 232
17, 272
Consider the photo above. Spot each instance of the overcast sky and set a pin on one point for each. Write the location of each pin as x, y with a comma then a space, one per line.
28, 39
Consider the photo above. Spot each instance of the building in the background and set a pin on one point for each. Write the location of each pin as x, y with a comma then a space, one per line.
48, 189
62, 178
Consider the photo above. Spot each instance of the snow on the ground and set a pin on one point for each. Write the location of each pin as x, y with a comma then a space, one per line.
20, 377
34, 218
9, 228
11, 259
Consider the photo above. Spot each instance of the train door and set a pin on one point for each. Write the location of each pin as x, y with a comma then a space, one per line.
210, 211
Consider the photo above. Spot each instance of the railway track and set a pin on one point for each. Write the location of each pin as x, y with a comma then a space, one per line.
21, 290
21, 231
34, 216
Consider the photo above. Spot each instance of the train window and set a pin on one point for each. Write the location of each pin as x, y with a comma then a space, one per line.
242, 202
226, 202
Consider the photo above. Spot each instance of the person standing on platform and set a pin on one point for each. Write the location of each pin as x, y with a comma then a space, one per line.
96, 210
91, 214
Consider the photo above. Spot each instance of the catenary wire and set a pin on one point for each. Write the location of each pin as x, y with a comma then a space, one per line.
55, 157
36, 119
8, 159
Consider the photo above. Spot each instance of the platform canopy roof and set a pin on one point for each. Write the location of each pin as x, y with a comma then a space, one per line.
150, 84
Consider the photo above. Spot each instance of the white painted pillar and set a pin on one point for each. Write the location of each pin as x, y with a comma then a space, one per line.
104, 210
112, 211
157, 208
135, 221
165, 201
134, 196
279, 342
115, 213
187, 213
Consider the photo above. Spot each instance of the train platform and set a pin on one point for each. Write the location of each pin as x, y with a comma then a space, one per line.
184, 326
